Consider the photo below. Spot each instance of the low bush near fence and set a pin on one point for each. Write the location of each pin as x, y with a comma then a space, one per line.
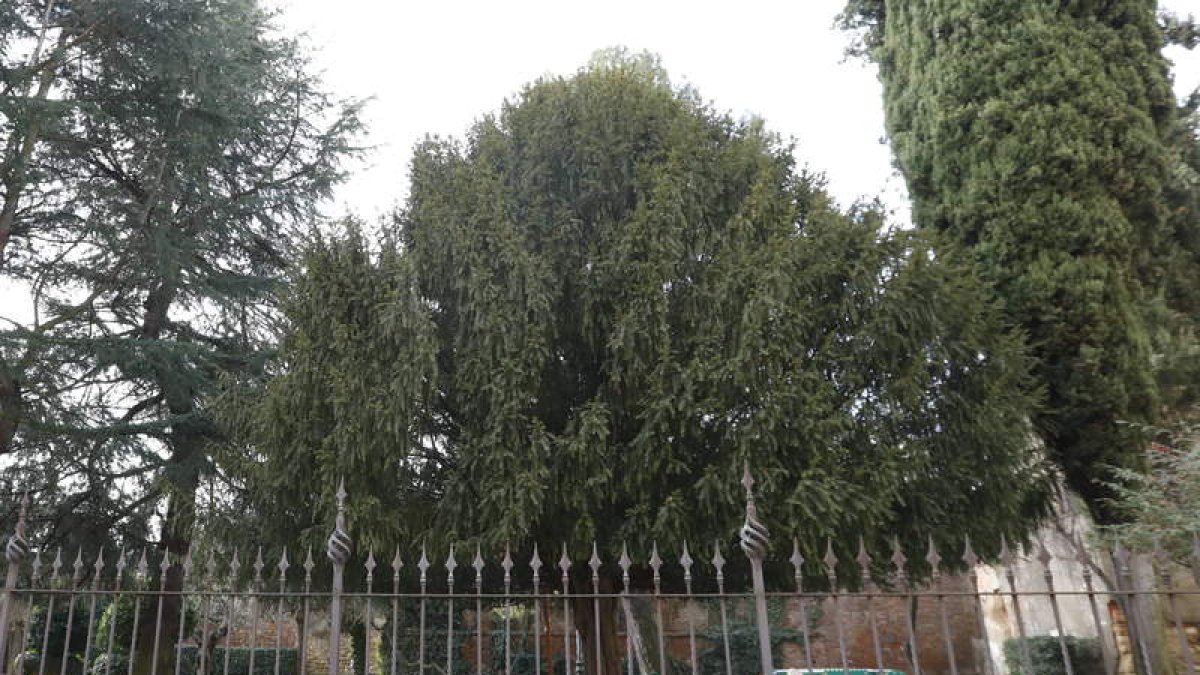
239, 661
1045, 654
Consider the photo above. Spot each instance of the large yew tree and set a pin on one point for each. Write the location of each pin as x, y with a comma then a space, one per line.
606, 300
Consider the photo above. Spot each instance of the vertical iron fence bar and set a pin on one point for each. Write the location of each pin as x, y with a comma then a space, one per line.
208, 582
477, 563
309, 564
868, 588
369, 624
283, 568
900, 563
234, 566
935, 566
594, 563
54, 581
255, 597
624, 562
564, 563
507, 565
187, 573
1085, 562
337, 548
1007, 557
656, 565
797, 561
423, 566
75, 579
97, 571
754, 539
685, 561
15, 552
1128, 588
1045, 559
112, 624
1164, 576
831, 561
718, 562
164, 567
34, 572
451, 564
140, 574
397, 563
535, 564
972, 561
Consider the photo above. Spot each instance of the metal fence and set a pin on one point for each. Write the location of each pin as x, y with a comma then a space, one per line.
116, 614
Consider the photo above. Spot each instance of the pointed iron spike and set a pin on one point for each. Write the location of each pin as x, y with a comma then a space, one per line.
933, 557
899, 560
477, 561
685, 560
234, 564
370, 563
624, 562
341, 493
397, 563
969, 557
37, 563
423, 564
863, 558
78, 559
718, 560
564, 563
99, 566
187, 563
143, 565
594, 561
797, 559
830, 559
655, 560
748, 481
507, 563
1006, 555
451, 563
1043, 554
283, 562
210, 565
309, 563
535, 561
58, 561
258, 561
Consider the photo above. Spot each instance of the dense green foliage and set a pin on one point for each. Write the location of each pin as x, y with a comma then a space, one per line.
1045, 655
158, 158
601, 305
1043, 135
1161, 507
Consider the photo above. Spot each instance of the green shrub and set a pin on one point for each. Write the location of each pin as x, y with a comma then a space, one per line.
1045, 654
239, 661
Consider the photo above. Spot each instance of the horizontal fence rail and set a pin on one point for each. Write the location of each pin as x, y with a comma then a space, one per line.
120, 613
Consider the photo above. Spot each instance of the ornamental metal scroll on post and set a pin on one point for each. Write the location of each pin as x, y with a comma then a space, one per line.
338, 550
754, 539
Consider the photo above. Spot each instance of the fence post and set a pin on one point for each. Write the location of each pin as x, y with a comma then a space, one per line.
754, 538
338, 550
15, 552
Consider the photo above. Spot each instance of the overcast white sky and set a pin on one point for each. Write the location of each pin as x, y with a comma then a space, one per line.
435, 66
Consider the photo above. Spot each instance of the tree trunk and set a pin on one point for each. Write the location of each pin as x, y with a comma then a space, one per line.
10, 408
585, 620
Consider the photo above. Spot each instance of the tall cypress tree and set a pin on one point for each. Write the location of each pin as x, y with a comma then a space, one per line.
1037, 133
